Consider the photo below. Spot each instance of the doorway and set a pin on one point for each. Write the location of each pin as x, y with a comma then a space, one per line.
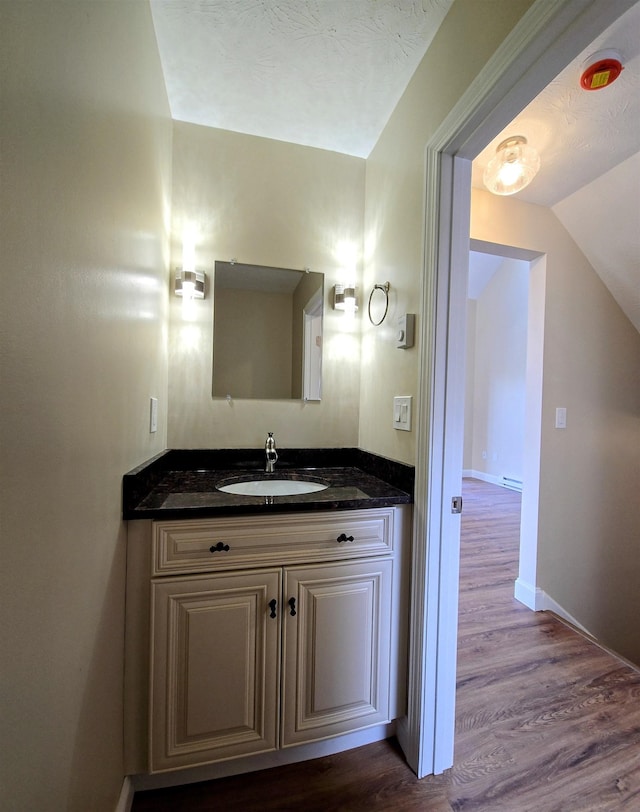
503, 385
495, 369
541, 45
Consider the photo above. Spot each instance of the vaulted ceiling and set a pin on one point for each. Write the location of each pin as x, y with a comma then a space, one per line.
328, 74
589, 145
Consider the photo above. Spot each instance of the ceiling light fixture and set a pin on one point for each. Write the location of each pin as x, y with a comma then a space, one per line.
513, 167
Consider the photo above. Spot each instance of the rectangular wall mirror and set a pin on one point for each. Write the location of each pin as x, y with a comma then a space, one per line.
267, 332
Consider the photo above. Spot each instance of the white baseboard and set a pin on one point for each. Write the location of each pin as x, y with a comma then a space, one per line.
538, 600
528, 594
263, 761
125, 801
512, 483
548, 604
473, 474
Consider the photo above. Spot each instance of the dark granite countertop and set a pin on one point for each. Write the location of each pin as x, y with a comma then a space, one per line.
181, 484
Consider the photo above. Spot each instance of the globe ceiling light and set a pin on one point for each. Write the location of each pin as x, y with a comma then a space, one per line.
513, 167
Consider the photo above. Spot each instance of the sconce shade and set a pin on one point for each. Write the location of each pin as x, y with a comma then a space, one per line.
513, 167
190, 284
344, 298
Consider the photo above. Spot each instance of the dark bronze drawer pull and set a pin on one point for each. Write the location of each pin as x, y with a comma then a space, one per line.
219, 547
343, 537
292, 604
272, 605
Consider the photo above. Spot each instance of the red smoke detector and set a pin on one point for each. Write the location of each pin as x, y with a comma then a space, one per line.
600, 70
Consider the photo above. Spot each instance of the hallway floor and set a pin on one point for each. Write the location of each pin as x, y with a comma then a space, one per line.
546, 720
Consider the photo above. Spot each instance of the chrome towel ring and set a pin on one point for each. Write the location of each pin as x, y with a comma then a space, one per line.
385, 289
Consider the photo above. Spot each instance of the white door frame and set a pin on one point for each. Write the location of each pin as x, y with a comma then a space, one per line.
525, 589
312, 353
548, 37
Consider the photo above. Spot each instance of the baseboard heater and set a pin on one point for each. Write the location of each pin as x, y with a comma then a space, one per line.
511, 483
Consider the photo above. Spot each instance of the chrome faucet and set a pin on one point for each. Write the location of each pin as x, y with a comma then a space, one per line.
270, 453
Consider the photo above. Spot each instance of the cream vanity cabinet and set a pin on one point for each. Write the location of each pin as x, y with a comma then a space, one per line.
265, 633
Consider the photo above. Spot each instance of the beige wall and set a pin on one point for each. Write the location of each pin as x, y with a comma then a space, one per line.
86, 187
86, 149
270, 203
588, 558
589, 522
498, 359
394, 217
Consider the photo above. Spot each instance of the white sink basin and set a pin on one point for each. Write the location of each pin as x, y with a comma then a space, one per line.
273, 487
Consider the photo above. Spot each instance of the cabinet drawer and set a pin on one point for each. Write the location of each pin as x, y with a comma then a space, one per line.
227, 543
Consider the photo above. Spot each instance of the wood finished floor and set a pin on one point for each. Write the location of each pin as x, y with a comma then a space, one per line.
545, 721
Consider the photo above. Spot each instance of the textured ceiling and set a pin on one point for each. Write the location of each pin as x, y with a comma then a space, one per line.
323, 73
589, 145
580, 134
603, 218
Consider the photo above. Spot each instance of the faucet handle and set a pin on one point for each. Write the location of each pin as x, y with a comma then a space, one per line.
270, 453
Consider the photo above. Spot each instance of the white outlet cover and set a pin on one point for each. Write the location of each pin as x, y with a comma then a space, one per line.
561, 417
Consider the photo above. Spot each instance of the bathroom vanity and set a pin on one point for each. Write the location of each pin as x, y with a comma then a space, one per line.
263, 628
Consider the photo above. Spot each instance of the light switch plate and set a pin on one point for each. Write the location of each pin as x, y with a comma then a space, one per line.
153, 415
402, 412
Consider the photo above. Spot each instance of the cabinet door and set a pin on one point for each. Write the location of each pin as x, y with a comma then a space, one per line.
214, 667
336, 649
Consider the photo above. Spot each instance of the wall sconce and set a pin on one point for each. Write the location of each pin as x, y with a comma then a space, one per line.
190, 284
513, 167
344, 298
